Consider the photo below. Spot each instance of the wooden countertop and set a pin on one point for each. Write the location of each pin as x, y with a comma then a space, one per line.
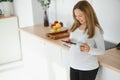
4, 17
111, 59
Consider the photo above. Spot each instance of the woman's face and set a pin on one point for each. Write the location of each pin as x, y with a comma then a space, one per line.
80, 16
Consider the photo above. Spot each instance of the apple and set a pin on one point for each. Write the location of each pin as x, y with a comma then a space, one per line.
55, 22
52, 25
61, 24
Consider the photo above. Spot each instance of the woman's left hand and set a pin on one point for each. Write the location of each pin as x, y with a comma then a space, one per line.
85, 47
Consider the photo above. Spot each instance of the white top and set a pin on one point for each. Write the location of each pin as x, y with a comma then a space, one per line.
81, 60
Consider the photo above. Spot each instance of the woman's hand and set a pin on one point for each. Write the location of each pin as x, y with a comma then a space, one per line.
85, 47
68, 40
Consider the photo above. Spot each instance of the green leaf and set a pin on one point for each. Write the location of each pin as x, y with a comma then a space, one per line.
45, 4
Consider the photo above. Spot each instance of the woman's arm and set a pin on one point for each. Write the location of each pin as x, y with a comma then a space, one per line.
99, 41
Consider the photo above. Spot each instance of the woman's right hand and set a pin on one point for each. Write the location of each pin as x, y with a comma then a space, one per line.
68, 40
85, 47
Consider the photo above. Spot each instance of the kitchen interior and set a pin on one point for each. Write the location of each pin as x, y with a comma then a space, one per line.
29, 55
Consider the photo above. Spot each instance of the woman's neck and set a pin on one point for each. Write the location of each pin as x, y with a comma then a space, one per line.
82, 27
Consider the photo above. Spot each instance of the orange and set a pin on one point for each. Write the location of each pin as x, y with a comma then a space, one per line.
58, 30
58, 25
54, 27
52, 30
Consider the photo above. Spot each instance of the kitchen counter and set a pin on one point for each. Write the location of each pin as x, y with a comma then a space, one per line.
109, 60
3, 17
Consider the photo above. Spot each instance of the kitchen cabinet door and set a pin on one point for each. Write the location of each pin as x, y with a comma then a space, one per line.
9, 40
65, 63
56, 69
35, 62
107, 74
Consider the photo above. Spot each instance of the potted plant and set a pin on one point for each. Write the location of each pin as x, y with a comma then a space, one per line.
45, 5
7, 7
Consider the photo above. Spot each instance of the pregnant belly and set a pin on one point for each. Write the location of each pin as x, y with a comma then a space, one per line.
77, 56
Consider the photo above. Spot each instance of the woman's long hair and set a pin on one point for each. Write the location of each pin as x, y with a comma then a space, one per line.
90, 15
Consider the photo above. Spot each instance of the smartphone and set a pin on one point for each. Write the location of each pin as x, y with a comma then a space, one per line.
68, 42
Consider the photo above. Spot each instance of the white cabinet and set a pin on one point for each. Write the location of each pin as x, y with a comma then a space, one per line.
43, 58
9, 40
65, 64
35, 61
53, 52
55, 67
107, 74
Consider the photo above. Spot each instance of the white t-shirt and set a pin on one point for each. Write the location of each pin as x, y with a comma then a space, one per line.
81, 60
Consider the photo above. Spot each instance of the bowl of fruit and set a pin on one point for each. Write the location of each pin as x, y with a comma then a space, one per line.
56, 26
57, 31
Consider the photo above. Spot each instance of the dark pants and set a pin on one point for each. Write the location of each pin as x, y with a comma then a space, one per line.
83, 75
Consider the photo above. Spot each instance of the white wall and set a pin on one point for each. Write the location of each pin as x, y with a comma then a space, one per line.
37, 12
108, 14
29, 12
23, 9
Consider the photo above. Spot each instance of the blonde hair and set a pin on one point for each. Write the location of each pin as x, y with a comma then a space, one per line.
91, 18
